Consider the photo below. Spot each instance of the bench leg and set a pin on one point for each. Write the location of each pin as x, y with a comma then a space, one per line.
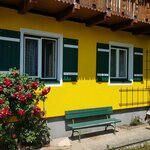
114, 126
72, 133
106, 127
79, 133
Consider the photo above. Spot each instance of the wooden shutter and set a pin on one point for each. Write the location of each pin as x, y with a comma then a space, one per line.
102, 62
70, 60
138, 64
9, 49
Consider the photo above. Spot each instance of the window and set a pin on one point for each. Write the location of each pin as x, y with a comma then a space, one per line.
48, 55
42, 55
118, 63
114, 63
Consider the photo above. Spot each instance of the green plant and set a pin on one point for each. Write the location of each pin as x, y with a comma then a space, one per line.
19, 97
35, 133
136, 121
7, 136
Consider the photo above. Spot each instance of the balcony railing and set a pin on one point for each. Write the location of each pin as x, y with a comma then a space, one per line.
132, 9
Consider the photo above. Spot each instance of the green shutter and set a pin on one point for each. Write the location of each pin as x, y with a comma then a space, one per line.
102, 62
70, 60
9, 33
9, 50
138, 64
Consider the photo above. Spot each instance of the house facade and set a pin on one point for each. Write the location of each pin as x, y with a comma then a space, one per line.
92, 53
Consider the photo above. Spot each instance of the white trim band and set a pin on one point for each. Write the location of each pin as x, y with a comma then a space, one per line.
70, 46
70, 73
102, 74
138, 75
4, 72
9, 39
103, 50
138, 53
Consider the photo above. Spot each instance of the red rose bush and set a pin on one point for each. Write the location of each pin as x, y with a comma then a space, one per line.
19, 96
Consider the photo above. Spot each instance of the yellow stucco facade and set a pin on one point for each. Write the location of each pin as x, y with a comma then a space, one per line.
86, 92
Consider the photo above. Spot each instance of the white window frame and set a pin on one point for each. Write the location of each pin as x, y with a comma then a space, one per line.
44, 35
130, 62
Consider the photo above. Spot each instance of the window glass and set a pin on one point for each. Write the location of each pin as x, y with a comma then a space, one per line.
118, 63
48, 58
113, 63
122, 63
31, 57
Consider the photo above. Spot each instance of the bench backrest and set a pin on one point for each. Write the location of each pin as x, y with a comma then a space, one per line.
88, 112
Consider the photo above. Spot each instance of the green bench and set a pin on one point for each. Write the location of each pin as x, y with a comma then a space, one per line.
78, 122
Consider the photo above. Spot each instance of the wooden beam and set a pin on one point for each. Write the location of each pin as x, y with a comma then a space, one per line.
26, 5
67, 12
142, 30
122, 25
97, 19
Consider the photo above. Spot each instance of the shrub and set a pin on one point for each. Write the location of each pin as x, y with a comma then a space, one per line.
19, 97
136, 121
35, 133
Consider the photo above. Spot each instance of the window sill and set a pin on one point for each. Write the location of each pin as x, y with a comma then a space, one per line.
52, 83
120, 82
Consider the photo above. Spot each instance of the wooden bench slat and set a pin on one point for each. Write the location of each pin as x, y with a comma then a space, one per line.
88, 112
93, 123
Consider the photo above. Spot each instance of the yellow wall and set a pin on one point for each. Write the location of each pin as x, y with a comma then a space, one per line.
85, 93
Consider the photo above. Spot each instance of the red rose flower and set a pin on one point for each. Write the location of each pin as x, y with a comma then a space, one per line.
22, 98
14, 136
1, 89
18, 87
17, 82
2, 101
34, 85
29, 95
15, 73
7, 82
2, 115
36, 109
21, 112
14, 95
4, 112
27, 85
45, 91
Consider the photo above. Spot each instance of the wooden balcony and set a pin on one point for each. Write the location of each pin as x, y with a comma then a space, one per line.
128, 15
132, 9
